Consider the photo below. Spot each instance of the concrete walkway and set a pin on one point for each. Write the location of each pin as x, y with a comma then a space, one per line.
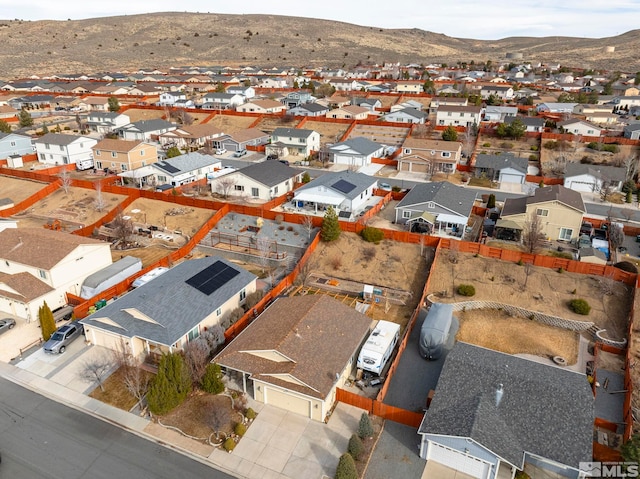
278, 444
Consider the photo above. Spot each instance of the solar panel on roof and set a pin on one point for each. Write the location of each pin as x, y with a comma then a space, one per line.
344, 214
212, 277
169, 168
343, 186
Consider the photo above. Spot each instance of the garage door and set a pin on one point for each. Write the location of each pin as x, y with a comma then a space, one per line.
581, 186
458, 461
288, 401
405, 166
511, 179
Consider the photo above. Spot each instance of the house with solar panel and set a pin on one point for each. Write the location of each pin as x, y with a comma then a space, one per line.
260, 181
349, 193
174, 308
183, 169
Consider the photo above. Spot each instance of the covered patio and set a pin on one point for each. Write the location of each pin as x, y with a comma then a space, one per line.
508, 230
139, 175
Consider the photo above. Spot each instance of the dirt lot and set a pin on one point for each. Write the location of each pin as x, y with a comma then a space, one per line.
329, 132
386, 100
74, 209
497, 145
498, 331
576, 151
137, 114
547, 290
230, 124
18, 189
394, 265
389, 135
268, 123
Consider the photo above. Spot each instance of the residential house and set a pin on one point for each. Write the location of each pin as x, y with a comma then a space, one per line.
344, 84
437, 207
165, 314
297, 98
498, 114
494, 414
297, 353
348, 192
632, 131
172, 98
123, 155
38, 265
421, 155
593, 178
580, 127
94, 103
14, 144
466, 116
501, 92
585, 109
503, 168
222, 101
407, 115
32, 102
349, 112
262, 107
550, 107
532, 124
183, 169
622, 103
409, 86
438, 101
355, 152
239, 140
261, 181
105, 122
270, 82
607, 120
309, 109
61, 149
294, 142
145, 130
370, 104
7, 112
248, 92
191, 137
560, 210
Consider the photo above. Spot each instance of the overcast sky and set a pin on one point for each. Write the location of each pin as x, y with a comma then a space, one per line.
487, 20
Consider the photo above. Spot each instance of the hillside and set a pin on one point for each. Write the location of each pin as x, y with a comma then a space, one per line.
160, 40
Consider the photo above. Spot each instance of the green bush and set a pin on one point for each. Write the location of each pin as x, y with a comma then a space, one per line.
171, 385
250, 414
579, 306
611, 148
330, 226
229, 445
365, 428
486, 145
356, 448
533, 157
346, 468
466, 290
372, 235
240, 429
396, 188
534, 148
212, 379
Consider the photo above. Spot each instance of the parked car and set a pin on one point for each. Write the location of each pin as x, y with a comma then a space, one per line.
6, 324
384, 186
272, 157
220, 151
239, 153
59, 340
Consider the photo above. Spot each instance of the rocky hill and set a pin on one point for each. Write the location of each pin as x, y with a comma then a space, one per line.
160, 40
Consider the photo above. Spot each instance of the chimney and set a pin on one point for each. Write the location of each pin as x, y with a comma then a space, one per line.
499, 394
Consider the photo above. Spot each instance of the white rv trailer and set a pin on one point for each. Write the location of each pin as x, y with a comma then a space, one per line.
379, 347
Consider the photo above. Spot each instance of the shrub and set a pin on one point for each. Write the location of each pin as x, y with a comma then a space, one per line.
506, 145
533, 158
171, 385
240, 429
356, 448
229, 445
250, 414
552, 145
486, 145
365, 428
396, 188
579, 306
336, 262
330, 226
534, 148
372, 235
346, 468
520, 262
466, 290
491, 202
369, 253
253, 299
212, 379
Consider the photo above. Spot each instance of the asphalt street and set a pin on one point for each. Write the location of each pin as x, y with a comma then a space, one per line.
40, 438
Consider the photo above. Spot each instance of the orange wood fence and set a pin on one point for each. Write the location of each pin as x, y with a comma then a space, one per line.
378, 408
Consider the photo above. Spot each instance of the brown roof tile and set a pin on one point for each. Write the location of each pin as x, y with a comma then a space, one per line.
27, 286
109, 144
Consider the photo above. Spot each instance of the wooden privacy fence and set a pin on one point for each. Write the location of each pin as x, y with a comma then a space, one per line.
31, 200
378, 408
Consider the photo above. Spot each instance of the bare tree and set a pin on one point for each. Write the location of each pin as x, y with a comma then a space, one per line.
214, 336
616, 236
627, 214
100, 203
196, 356
532, 235
217, 418
95, 370
528, 269
122, 227
454, 256
136, 381
605, 193
224, 184
65, 180
631, 167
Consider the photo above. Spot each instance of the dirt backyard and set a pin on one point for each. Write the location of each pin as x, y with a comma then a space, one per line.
547, 290
388, 265
74, 209
18, 189
329, 132
230, 123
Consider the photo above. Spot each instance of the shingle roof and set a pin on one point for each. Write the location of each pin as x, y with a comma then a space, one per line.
544, 410
359, 180
453, 197
185, 163
124, 146
361, 145
313, 107
39, 247
498, 162
610, 173
146, 126
292, 132
269, 173
173, 306
59, 139
316, 332
410, 112
27, 287
571, 198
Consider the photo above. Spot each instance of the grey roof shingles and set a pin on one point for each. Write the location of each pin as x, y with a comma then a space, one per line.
292, 132
359, 180
363, 146
146, 126
174, 305
544, 410
58, 139
605, 172
498, 162
185, 163
571, 198
269, 173
443, 193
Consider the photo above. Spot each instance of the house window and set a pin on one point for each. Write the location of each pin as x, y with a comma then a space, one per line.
275, 190
407, 151
162, 178
42, 273
141, 152
61, 148
194, 333
97, 152
446, 154
565, 234
13, 143
114, 154
431, 205
255, 192
406, 214
42, 156
123, 167
47, 146
219, 312
449, 113
243, 295
238, 188
99, 165
541, 212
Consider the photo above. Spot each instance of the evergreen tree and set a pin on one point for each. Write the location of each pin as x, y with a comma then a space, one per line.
356, 448
346, 467
47, 322
516, 129
171, 385
173, 152
24, 118
365, 428
330, 226
212, 379
45, 129
306, 178
491, 202
5, 127
630, 450
629, 198
450, 134
114, 104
